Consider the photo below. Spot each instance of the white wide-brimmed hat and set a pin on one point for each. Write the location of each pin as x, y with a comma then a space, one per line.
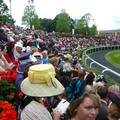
19, 44
41, 82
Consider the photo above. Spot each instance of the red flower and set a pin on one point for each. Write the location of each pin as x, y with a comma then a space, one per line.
3, 77
8, 112
14, 75
10, 75
16, 64
5, 105
20, 94
2, 73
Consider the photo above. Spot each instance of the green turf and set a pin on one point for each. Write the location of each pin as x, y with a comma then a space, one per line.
114, 58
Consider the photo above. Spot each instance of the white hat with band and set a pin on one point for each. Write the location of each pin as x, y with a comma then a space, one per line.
41, 82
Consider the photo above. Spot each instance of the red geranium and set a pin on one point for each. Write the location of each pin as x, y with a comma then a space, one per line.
8, 112
16, 64
5, 105
10, 75
3, 75
9, 115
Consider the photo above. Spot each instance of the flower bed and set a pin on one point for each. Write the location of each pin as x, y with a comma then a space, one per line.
7, 111
8, 95
7, 84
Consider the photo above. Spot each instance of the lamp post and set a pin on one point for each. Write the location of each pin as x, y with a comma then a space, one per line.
74, 25
10, 8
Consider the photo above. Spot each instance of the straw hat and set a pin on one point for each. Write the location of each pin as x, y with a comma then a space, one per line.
68, 56
41, 82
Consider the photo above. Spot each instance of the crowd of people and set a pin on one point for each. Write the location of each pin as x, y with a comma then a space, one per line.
51, 78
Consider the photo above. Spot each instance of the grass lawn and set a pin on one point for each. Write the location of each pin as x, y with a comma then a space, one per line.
114, 58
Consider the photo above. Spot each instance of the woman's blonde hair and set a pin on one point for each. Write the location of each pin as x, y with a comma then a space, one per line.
114, 88
75, 104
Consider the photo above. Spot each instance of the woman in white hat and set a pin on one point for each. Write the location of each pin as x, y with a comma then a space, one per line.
18, 49
41, 82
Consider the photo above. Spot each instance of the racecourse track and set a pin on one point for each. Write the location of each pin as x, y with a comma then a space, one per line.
100, 57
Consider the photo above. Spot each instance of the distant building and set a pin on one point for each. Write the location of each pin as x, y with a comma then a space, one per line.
109, 32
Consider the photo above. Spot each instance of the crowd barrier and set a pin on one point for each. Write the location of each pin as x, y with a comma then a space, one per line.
91, 50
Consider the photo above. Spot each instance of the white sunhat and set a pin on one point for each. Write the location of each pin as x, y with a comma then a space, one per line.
19, 44
41, 82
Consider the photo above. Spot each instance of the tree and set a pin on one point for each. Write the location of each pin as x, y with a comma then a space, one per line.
47, 25
4, 15
3, 8
29, 15
30, 1
83, 25
63, 23
93, 30
36, 22
81, 28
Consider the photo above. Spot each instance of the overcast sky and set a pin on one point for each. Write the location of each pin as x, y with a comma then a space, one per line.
106, 13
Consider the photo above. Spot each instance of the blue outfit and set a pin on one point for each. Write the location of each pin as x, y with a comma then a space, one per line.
44, 60
75, 89
19, 79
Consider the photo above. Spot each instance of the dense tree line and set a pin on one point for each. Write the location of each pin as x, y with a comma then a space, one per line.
5, 17
61, 23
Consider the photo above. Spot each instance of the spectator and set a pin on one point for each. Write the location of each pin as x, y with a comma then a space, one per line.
84, 108
75, 87
43, 84
44, 57
3, 36
18, 50
4, 65
104, 100
114, 107
22, 70
5, 54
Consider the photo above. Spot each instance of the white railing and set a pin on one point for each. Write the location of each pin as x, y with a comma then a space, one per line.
85, 57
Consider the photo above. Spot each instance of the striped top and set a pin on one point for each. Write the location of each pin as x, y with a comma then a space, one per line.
35, 111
